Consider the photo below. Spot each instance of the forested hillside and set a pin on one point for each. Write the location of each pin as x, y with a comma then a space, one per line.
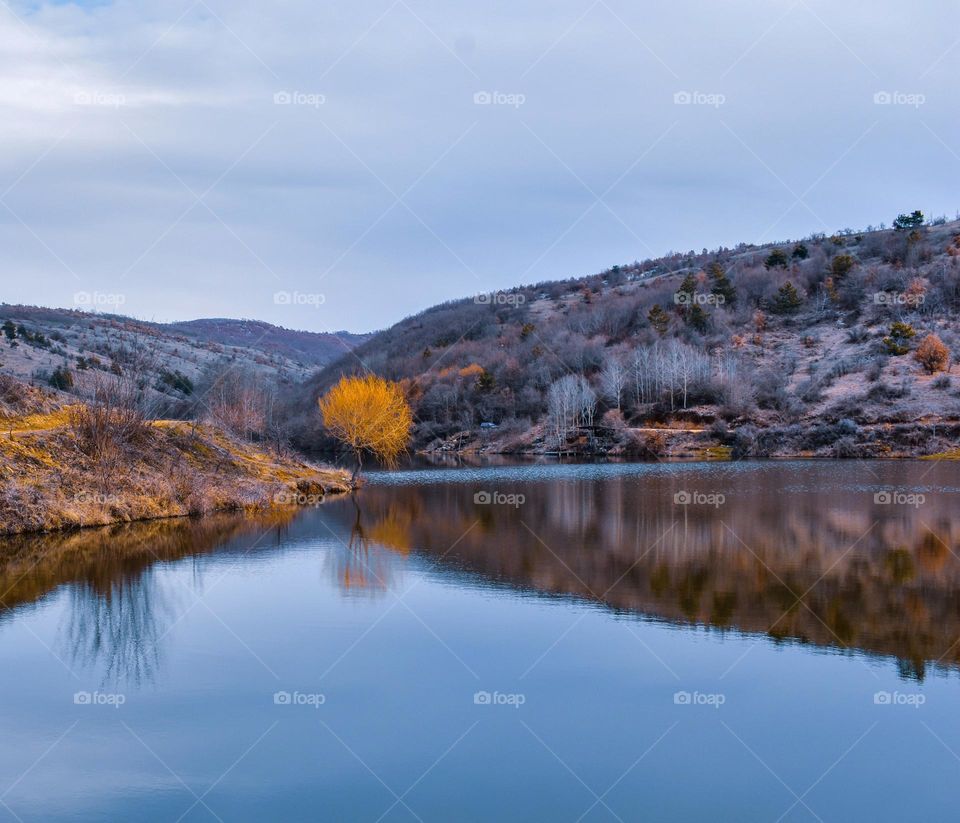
839, 345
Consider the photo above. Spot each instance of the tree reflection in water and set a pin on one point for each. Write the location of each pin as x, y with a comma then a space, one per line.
367, 563
118, 629
120, 608
791, 554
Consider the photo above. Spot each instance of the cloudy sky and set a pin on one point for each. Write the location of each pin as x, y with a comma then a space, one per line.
344, 164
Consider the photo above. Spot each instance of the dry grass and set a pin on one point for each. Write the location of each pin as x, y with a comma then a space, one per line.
49, 480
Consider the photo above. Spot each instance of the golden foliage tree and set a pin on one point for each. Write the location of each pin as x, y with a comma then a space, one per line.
932, 354
369, 415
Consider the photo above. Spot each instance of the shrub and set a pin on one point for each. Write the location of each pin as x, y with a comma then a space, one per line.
898, 341
176, 380
942, 382
932, 354
62, 378
857, 334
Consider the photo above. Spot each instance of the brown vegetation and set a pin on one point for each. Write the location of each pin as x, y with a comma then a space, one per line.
932, 354
104, 464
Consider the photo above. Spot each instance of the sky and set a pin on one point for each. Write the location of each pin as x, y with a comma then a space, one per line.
342, 165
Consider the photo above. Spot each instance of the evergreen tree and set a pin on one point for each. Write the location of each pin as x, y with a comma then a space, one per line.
908, 221
698, 318
776, 260
659, 319
721, 288
688, 288
841, 266
898, 341
788, 301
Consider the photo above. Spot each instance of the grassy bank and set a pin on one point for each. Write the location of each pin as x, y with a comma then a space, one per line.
50, 478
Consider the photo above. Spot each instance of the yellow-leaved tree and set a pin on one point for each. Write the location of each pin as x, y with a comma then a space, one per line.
369, 415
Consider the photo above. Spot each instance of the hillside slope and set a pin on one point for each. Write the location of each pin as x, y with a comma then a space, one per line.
60, 469
786, 348
35, 341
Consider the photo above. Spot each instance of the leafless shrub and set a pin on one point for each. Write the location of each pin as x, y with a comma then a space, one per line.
112, 419
942, 382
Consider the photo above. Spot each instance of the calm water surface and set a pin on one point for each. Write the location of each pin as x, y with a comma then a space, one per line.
775, 641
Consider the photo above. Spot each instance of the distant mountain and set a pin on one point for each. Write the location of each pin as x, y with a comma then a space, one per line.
309, 348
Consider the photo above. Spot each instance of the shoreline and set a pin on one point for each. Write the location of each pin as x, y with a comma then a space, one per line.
49, 482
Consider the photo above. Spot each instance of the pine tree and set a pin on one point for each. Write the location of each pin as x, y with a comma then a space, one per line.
722, 288
659, 319
909, 221
788, 301
688, 288
698, 318
841, 266
776, 259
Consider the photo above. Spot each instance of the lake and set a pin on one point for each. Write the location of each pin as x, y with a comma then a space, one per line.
539, 642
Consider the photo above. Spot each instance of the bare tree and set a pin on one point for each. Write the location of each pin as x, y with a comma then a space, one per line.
571, 402
613, 378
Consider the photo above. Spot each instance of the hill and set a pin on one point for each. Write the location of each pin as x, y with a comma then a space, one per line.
79, 465
300, 347
67, 349
841, 345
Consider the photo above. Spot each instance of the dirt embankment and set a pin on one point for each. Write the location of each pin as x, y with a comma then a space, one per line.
718, 440
49, 479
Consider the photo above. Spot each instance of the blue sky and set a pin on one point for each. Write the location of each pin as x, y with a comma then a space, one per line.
342, 165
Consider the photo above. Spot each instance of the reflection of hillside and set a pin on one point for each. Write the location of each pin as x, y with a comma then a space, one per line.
884, 581
118, 610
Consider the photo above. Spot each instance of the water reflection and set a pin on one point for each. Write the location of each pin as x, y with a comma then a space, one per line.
119, 609
800, 553
363, 568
